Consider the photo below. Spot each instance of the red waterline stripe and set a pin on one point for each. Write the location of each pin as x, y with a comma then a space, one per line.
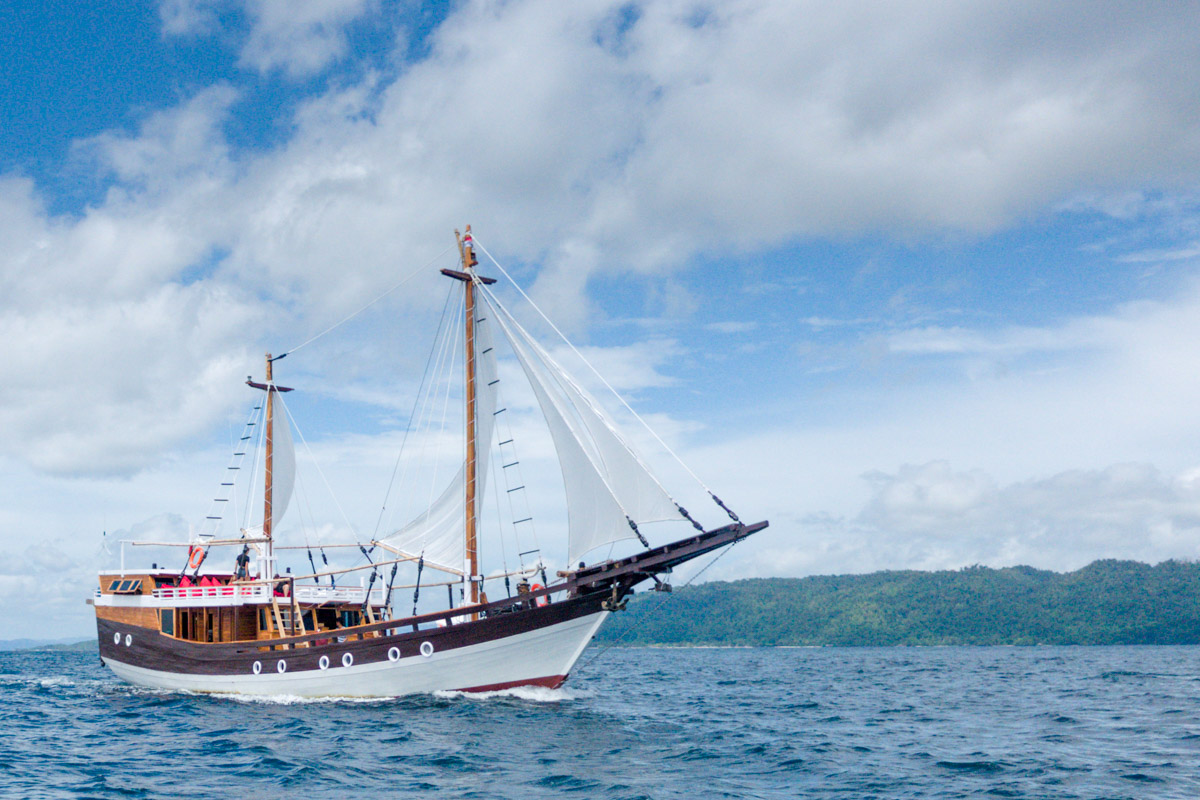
550, 682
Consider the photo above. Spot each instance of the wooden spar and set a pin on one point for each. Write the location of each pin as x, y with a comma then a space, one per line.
372, 565
468, 259
212, 543
466, 252
410, 557
269, 469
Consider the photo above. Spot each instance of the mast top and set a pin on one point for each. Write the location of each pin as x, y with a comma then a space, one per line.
270, 384
466, 255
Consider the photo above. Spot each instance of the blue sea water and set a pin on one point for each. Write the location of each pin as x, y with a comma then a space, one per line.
1045, 722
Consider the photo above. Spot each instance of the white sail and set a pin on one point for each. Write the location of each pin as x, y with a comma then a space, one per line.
606, 483
283, 463
438, 533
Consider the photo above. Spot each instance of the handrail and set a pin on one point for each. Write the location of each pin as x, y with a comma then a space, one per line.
219, 591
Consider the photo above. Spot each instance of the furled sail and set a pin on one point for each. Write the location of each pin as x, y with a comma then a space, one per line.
437, 533
606, 483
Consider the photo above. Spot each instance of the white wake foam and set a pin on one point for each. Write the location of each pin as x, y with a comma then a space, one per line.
532, 694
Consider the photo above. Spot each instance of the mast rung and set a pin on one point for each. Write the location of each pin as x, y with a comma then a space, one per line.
233, 468
501, 411
488, 350
220, 499
513, 464
244, 438
519, 521
241, 453
212, 517
516, 489
506, 441
493, 383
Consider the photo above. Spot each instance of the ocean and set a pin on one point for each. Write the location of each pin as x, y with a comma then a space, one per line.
941, 722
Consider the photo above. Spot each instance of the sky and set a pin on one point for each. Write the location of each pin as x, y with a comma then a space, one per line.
918, 282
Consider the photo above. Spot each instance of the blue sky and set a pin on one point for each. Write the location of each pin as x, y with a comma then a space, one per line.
917, 282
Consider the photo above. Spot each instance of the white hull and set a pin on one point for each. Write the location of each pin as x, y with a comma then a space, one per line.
535, 657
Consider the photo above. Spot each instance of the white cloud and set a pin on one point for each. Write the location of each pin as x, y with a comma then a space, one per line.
1188, 253
300, 37
104, 389
732, 326
931, 516
189, 17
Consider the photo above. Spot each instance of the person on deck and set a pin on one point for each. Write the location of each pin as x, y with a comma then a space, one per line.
242, 572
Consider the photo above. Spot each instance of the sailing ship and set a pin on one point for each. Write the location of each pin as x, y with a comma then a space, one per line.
252, 630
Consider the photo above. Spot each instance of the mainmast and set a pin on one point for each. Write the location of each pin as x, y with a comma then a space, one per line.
270, 388
466, 252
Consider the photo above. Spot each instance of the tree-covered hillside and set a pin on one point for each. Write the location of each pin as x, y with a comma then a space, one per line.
1106, 602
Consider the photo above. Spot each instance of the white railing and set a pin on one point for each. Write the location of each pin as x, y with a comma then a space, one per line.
337, 594
230, 592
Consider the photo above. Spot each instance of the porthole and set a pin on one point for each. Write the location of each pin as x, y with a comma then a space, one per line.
281, 666
394, 654
347, 659
324, 662
257, 668
117, 637
128, 640
427, 649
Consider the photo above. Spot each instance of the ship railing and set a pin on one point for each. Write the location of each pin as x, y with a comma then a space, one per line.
260, 592
336, 594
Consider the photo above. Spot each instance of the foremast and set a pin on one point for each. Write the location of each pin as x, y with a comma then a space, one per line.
466, 253
268, 445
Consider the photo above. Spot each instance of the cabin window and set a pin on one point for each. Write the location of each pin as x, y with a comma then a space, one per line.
168, 621
124, 587
327, 618
112, 587
136, 587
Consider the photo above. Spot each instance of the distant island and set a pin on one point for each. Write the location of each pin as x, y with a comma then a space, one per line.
1106, 602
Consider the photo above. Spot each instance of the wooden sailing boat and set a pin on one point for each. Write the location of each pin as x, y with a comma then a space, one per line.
255, 631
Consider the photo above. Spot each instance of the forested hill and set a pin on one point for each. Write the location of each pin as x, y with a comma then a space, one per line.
1106, 602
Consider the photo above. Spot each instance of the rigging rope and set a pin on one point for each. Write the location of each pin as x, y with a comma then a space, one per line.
451, 365
417, 587
336, 325
288, 413
412, 415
